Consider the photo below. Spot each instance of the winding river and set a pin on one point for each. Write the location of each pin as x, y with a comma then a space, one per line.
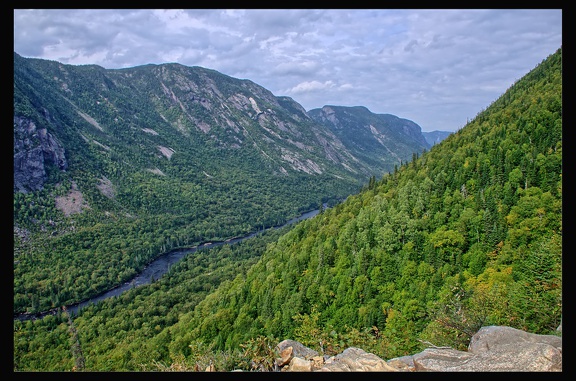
154, 270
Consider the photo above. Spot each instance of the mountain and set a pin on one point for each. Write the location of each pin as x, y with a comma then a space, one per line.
119, 166
467, 235
435, 137
381, 140
187, 108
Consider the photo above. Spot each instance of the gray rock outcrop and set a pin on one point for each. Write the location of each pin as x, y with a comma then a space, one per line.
491, 349
356, 360
34, 150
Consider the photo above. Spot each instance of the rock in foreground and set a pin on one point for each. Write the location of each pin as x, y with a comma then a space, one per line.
491, 349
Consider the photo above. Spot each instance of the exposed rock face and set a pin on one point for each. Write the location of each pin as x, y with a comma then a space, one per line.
34, 150
488, 337
354, 360
297, 349
492, 349
384, 140
172, 109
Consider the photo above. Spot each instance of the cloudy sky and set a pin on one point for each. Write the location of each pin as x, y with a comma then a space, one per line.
436, 67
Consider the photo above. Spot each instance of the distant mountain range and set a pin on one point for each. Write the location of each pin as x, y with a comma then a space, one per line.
380, 140
171, 110
435, 137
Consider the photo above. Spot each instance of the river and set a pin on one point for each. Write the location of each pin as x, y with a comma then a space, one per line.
154, 270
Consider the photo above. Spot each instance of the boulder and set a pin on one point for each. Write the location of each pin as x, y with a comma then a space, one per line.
491, 349
356, 360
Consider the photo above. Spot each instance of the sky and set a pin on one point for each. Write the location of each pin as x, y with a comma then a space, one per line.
436, 67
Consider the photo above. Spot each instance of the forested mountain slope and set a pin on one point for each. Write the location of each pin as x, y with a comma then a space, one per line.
115, 167
466, 235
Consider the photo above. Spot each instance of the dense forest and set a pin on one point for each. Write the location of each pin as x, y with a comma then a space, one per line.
465, 235
157, 157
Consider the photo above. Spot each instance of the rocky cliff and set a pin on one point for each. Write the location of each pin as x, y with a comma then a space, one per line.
35, 150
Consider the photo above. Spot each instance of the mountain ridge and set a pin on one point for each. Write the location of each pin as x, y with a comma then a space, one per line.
435, 137
210, 155
448, 243
195, 107
467, 235
375, 138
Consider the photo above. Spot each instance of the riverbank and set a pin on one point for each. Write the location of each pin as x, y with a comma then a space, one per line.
156, 269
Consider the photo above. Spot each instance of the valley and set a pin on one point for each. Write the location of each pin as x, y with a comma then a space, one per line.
114, 167
155, 270
415, 244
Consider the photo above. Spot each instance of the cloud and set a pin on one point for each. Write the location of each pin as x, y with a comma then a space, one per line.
316, 86
311, 86
437, 67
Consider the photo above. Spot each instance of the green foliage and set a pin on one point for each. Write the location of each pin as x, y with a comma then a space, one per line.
117, 128
308, 331
259, 354
468, 235
446, 237
536, 300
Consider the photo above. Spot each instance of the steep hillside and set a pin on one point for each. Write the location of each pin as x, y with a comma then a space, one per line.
168, 113
381, 140
114, 167
469, 234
